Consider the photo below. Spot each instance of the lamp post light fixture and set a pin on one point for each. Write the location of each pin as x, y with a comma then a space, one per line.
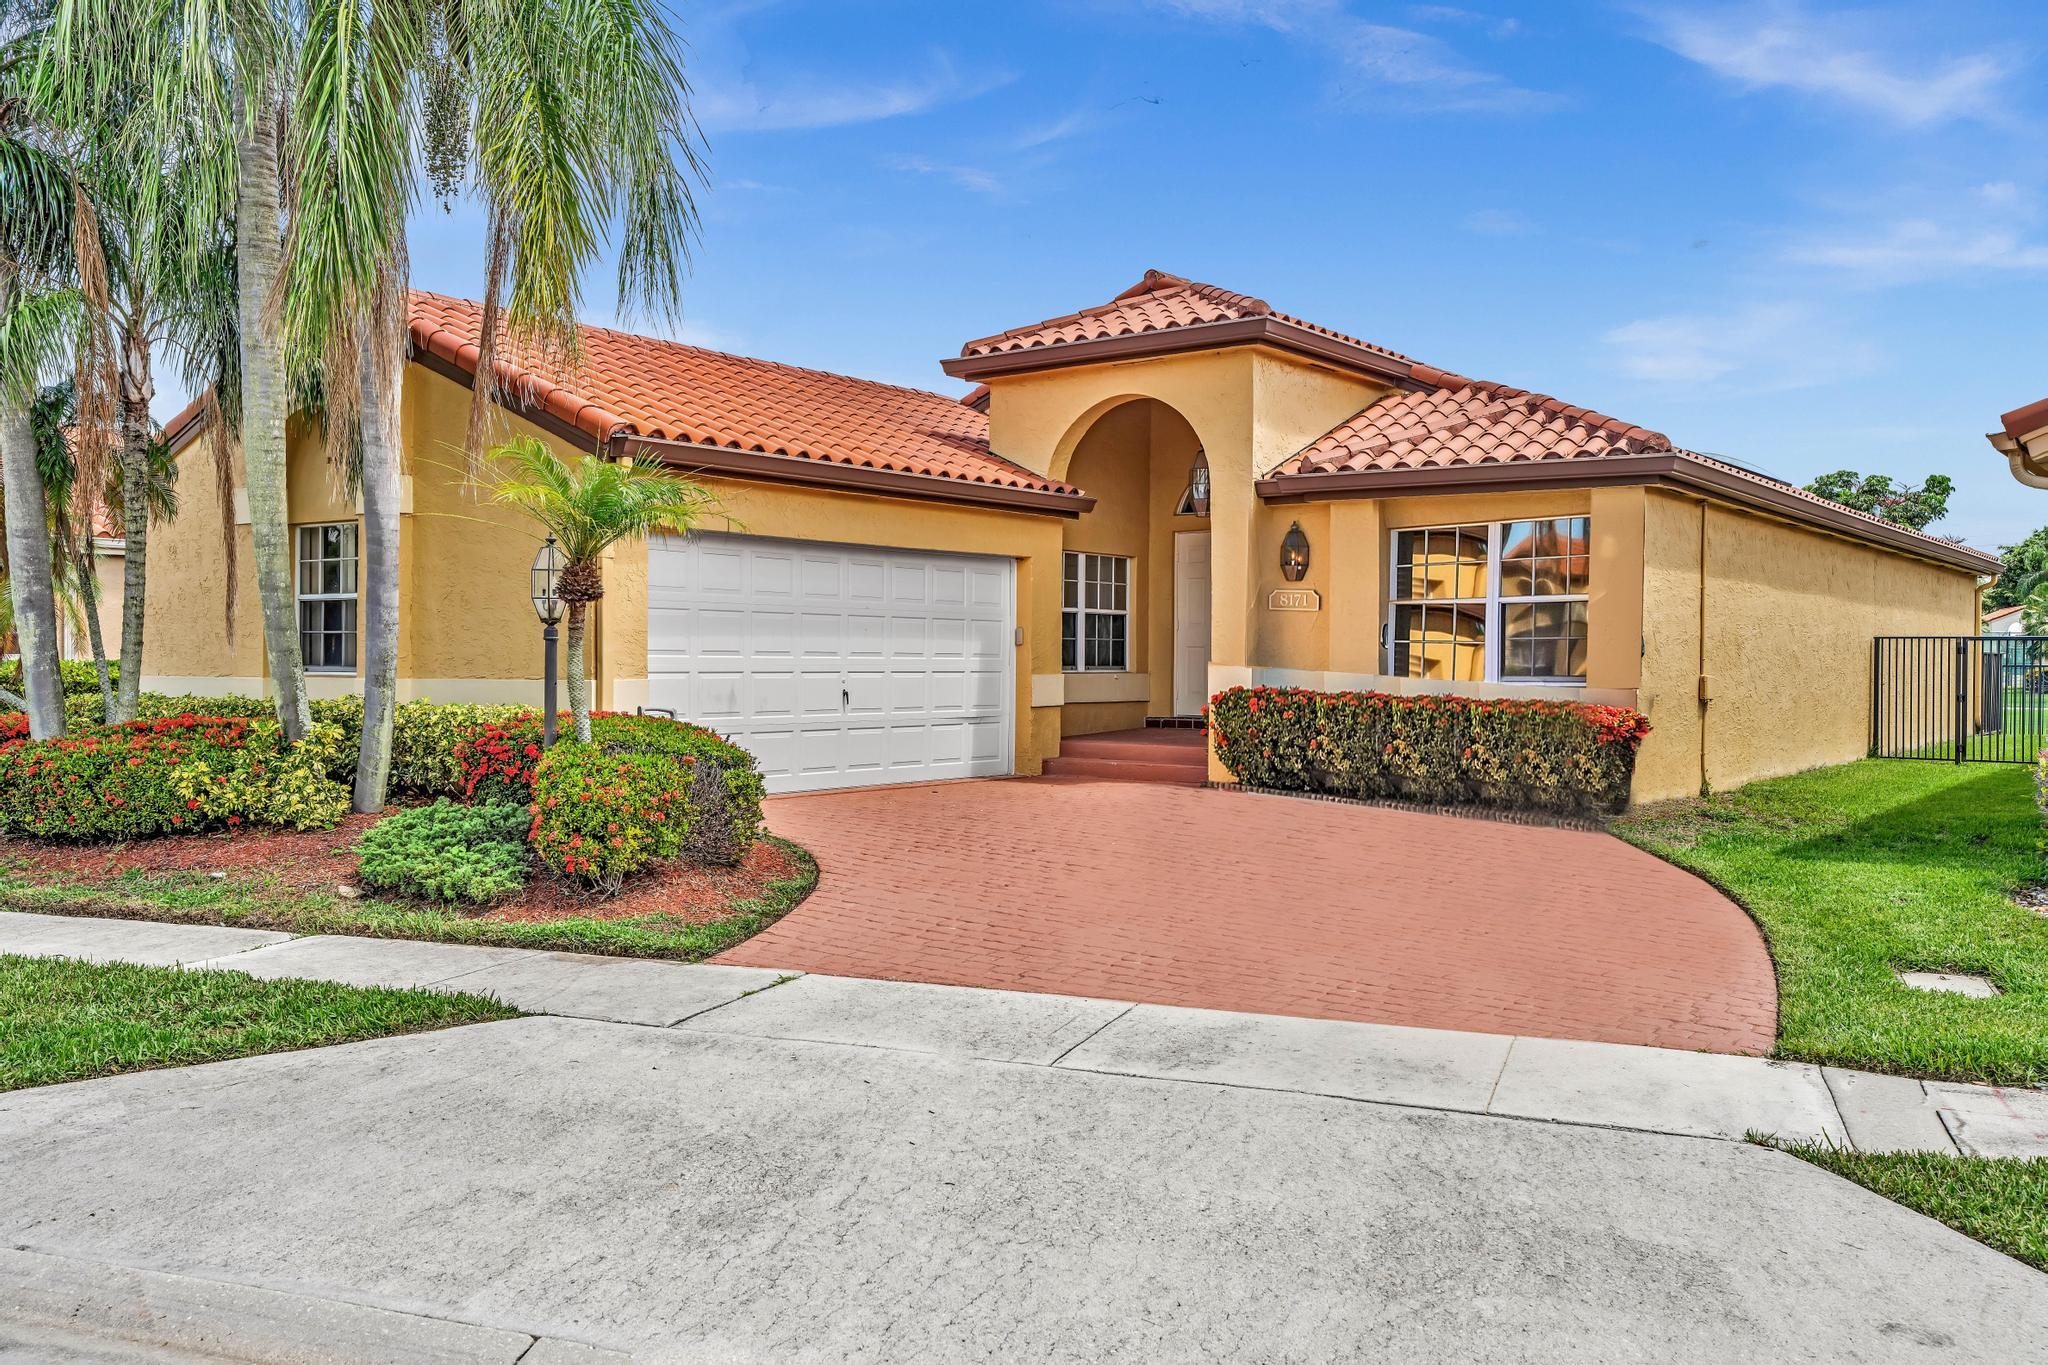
1294, 554
1198, 484
544, 581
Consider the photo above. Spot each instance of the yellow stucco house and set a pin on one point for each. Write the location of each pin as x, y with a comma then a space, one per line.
1143, 502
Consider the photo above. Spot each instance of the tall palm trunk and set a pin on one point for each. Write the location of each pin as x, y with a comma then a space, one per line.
259, 253
28, 565
131, 453
579, 690
383, 367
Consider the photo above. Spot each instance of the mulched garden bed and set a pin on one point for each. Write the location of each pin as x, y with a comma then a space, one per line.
324, 861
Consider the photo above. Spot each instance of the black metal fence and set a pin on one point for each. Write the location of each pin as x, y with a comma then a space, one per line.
1959, 698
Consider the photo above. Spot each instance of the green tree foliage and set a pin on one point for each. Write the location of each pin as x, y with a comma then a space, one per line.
1904, 504
2023, 569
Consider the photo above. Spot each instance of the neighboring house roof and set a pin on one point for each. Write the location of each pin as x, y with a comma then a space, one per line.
2002, 613
1163, 313
694, 403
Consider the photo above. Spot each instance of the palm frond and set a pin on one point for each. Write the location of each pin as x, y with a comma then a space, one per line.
589, 504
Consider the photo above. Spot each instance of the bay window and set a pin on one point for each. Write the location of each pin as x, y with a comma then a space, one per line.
1500, 601
327, 597
1095, 600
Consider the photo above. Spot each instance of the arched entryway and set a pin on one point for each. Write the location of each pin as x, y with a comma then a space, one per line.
1135, 599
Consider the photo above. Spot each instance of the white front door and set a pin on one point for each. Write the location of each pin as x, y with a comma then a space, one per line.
835, 665
1190, 622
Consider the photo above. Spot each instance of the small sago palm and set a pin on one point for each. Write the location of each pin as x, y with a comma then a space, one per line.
589, 505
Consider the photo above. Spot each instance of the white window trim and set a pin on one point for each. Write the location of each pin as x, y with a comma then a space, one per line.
299, 594
1495, 617
1082, 611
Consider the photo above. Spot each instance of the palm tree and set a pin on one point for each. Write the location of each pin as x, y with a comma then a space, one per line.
564, 119
589, 504
45, 234
209, 77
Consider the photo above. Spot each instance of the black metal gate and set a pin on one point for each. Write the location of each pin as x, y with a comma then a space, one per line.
1959, 698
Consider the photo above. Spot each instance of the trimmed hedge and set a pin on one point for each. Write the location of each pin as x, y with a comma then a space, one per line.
1439, 750
599, 816
446, 852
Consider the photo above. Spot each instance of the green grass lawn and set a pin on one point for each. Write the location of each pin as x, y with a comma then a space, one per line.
249, 901
2001, 1203
64, 1020
1856, 870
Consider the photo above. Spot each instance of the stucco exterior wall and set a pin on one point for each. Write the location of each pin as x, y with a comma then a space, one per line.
189, 641
1779, 620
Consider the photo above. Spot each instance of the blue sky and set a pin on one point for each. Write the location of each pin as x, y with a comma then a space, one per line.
1807, 236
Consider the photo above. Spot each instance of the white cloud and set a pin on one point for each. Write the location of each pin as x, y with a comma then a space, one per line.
1920, 249
808, 101
1059, 130
1492, 25
966, 177
1763, 347
1498, 223
1415, 69
1426, 73
1777, 45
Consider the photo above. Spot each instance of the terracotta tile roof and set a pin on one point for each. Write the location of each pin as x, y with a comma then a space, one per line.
1158, 303
628, 385
1460, 421
2001, 613
1455, 422
2027, 420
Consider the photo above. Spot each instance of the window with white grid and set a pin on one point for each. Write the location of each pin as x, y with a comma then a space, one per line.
1095, 617
327, 597
1500, 601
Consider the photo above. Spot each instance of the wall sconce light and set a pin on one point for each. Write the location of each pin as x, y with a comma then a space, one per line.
1198, 484
1294, 554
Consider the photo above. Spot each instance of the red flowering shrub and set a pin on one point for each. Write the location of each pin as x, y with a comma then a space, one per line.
1537, 755
172, 775
497, 758
598, 816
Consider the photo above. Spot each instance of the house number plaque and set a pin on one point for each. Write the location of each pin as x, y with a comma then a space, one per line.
1295, 599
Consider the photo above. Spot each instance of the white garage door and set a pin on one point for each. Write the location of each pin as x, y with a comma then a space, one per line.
836, 665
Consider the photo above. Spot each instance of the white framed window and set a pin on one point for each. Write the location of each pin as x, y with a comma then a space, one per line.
327, 597
1095, 617
1501, 601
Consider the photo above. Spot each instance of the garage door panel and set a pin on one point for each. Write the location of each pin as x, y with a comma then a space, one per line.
990, 640
835, 665
772, 634
865, 636
865, 579
720, 633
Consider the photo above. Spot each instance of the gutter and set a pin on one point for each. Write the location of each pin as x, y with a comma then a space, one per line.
1669, 470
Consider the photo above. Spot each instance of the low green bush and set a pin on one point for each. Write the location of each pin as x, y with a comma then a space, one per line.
446, 852
1442, 750
168, 776
599, 816
74, 676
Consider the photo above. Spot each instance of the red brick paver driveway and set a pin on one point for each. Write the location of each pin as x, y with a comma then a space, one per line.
1182, 896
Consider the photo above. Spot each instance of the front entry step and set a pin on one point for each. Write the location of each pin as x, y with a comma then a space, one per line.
1174, 756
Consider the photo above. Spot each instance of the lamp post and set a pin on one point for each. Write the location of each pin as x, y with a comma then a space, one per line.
544, 580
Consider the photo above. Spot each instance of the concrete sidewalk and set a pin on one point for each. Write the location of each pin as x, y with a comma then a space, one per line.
1607, 1085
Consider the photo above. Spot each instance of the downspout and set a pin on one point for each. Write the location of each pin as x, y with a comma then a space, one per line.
1706, 683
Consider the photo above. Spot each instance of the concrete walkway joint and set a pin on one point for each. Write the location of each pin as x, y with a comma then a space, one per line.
1610, 1085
